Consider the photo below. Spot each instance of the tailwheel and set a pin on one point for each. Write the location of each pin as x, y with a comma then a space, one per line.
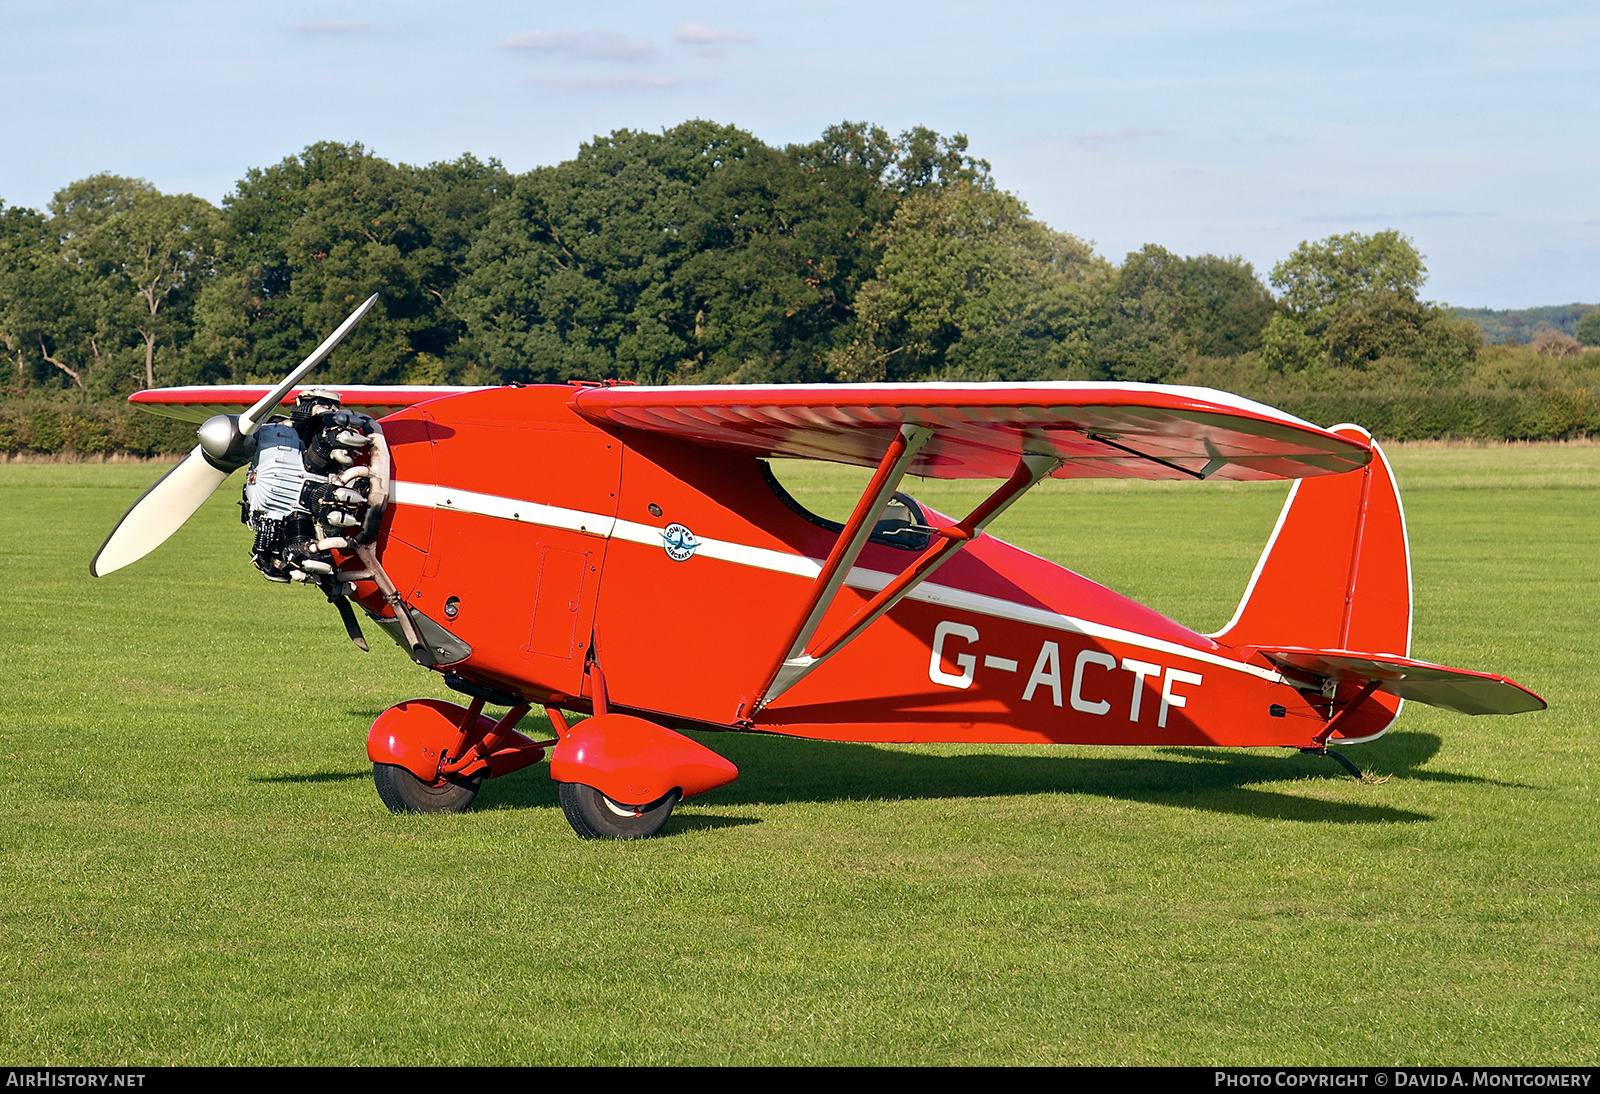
403, 792
595, 816
1344, 762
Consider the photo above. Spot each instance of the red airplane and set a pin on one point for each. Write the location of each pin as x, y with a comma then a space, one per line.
625, 552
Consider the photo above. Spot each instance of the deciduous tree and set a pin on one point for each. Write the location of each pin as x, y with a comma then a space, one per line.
134, 258
969, 279
1356, 298
310, 237
1344, 270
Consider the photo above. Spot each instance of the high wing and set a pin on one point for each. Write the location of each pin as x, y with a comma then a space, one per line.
1460, 690
979, 430
196, 404
1145, 431
1019, 433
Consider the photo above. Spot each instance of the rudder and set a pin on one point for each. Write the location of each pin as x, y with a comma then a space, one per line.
1336, 573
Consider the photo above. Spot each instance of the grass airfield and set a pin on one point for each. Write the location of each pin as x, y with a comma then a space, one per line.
198, 871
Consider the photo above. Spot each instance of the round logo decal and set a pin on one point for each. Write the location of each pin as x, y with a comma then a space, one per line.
678, 542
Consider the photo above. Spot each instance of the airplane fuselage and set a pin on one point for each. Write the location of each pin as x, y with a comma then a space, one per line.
536, 538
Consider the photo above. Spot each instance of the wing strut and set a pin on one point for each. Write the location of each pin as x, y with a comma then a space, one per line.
1213, 465
846, 549
805, 651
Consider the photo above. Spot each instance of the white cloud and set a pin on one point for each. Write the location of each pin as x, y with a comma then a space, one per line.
696, 34
1121, 136
1347, 218
594, 44
1445, 214
334, 26
606, 83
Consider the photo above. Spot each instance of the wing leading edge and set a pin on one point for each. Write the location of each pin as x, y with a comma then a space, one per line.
196, 404
1145, 431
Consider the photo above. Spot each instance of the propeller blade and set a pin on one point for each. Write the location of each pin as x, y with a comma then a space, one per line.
159, 513
251, 419
177, 494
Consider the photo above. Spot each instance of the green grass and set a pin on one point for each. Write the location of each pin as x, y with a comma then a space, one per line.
197, 869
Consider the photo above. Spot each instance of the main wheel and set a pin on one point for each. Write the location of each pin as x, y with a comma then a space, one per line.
403, 792
595, 816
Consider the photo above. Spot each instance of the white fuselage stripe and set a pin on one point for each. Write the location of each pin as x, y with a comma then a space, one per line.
574, 520
491, 505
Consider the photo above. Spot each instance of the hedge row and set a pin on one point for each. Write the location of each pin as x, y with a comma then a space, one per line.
43, 427
1533, 414
1536, 414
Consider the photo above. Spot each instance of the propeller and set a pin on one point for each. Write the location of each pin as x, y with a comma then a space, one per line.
227, 443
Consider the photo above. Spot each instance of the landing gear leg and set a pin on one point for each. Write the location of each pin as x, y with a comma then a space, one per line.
1344, 762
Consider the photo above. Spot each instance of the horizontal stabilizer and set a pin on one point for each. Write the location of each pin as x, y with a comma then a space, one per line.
1460, 690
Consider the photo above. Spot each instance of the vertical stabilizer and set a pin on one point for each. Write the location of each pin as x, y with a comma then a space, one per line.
1336, 574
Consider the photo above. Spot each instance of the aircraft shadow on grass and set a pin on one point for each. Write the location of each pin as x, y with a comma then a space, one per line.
314, 777
781, 770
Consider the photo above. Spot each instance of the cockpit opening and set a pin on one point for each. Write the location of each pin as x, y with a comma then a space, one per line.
833, 489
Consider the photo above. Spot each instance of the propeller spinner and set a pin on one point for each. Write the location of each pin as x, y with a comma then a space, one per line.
227, 443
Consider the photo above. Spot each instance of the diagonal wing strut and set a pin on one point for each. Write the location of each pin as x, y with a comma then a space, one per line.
805, 650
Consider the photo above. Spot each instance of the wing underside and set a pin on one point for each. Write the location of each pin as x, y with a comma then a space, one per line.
1142, 431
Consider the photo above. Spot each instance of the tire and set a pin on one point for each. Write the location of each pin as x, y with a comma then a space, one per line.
595, 816
403, 792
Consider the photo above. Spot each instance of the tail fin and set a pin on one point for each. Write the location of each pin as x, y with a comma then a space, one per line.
1330, 603
1336, 574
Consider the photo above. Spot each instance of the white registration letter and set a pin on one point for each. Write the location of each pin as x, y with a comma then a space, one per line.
1046, 670
965, 661
1174, 676
1090, 657
1140, 670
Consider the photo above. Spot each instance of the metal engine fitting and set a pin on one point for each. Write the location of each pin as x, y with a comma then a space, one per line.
315, 494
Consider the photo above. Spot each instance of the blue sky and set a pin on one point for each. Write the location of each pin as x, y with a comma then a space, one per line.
1227, 127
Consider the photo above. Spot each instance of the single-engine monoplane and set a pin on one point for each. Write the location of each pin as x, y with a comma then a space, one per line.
626, 553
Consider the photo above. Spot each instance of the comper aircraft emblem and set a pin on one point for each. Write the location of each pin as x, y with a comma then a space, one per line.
678, 542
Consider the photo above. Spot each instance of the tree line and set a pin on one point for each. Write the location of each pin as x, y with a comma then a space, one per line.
1520, 326
699, 254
